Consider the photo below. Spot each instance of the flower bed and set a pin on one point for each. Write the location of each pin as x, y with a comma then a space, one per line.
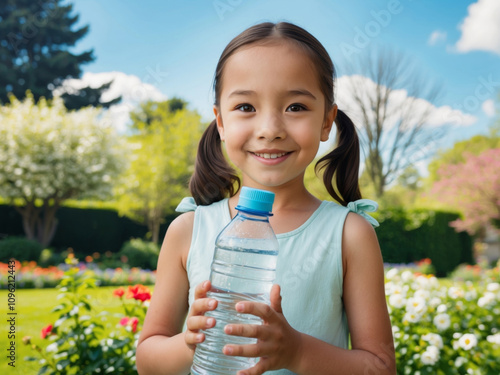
443, 327
30, 275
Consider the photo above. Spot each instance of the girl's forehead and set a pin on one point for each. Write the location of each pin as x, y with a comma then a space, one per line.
263, 65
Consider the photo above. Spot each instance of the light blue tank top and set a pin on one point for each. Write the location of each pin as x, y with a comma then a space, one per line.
309, 266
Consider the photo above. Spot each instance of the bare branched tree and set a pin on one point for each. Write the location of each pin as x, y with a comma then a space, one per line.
391, 104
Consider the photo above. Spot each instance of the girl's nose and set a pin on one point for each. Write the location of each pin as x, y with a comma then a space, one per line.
271, 128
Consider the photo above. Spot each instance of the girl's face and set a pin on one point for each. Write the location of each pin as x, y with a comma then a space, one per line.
272, 113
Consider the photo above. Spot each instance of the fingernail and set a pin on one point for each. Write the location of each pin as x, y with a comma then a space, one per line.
229, 350
228, 329
205, 284
199, 338
210, 322
239, 307
211, 304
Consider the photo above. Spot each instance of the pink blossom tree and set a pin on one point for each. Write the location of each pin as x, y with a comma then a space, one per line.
473, 187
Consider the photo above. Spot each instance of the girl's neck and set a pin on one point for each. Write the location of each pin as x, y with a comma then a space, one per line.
291, 208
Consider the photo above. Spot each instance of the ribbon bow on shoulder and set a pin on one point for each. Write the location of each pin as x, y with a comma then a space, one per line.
361, 206
187, 204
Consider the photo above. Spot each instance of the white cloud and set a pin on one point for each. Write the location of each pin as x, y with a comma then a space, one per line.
436, 37
488, 107
439, 116
481, 27
130, 87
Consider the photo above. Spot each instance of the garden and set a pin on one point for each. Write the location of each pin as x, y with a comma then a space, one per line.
90, 322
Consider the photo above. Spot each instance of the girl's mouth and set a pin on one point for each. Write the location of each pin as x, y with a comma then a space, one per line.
271, 158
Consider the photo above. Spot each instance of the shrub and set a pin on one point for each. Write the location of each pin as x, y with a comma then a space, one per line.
77, 343
139, 253
19, 248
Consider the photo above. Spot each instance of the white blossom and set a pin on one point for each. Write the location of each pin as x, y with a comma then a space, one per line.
467, 341
430, 356
442, 321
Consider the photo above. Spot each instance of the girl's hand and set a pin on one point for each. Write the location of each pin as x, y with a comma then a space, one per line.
278, 344
196, 320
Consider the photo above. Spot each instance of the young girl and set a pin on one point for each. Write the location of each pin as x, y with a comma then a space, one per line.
274, 103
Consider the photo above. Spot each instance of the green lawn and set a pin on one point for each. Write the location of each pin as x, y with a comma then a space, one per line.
33, 307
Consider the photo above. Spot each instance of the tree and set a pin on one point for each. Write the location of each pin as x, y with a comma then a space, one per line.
48, 155
151, 111
35, 41
394, 104
475, 146
472, 186
162, 157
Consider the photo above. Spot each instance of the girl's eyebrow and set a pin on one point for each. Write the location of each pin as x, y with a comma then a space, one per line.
297, 92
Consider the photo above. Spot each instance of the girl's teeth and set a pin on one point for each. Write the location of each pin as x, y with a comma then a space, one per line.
270, 156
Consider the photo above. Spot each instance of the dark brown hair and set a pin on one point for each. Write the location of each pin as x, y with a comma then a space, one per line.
214, 179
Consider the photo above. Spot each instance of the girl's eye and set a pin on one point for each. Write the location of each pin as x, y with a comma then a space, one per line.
296, 108
245, 108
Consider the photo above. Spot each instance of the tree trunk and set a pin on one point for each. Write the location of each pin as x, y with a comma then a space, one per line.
39, 223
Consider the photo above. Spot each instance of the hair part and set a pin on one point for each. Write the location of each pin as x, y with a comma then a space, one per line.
214, 179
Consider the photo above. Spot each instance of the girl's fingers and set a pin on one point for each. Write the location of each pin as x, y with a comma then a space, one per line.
193, 338
195, 323
251, 350
261, 310
261, 367
202, 289
201, 305
247, 330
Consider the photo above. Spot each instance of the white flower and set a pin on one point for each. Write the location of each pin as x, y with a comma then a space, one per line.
416, 304
460, 361
442, 321
487, 299
467, 341
434, 339
391, 273
407, 276
435, 301
397, 301
493, 287
494, 339
455, 292
430, 356
422, 293
441, 308
52, 347
412, 317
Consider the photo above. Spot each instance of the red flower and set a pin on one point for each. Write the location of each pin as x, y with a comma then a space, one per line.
46, 331
119, 292
139, 292
132, 322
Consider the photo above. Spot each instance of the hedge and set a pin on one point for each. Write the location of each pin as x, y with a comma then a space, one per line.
406, 236
85, 230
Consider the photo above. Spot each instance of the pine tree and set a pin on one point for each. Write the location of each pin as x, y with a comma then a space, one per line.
35, 42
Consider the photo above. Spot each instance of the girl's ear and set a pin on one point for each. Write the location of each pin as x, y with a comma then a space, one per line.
220, 127
327, 125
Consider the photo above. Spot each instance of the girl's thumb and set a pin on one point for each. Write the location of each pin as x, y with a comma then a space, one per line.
276, 298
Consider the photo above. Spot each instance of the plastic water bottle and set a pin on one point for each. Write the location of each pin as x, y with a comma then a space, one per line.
243, 269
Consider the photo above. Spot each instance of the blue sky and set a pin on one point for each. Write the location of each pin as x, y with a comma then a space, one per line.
174, 46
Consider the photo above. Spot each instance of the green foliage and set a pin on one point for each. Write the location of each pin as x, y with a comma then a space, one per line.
19, 248
35, 52
78, 344
407, 236
139, 253
162, 156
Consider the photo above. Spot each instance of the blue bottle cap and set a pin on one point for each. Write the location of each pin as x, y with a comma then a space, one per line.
260, 201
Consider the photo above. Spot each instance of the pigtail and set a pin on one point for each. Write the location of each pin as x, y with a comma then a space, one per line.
342, 163
213, 178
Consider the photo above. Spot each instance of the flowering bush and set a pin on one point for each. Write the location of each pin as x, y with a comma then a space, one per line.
77, 341
30, 275
440, 329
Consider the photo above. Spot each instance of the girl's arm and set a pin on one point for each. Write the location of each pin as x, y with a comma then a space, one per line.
365, 304
364, 299
161, 348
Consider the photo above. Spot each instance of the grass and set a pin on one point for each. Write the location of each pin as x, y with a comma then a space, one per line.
33, 307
